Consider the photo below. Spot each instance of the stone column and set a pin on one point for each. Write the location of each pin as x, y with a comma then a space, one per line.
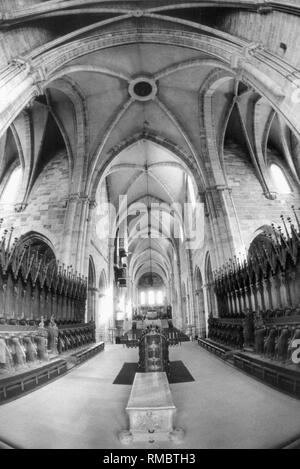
206, 307
75, 231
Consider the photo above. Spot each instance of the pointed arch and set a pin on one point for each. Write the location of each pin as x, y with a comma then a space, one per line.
199, 312
209, 280
91, 301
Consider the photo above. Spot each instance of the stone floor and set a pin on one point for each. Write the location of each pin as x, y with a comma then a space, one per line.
223, 408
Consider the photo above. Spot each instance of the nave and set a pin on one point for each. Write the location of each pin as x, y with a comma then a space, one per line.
149, 195
222, 408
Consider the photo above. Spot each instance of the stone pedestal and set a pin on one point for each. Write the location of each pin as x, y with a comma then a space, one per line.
151, 410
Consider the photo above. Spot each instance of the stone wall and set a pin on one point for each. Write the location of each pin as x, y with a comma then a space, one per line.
271, 30
46, 207
17, 41
253, 209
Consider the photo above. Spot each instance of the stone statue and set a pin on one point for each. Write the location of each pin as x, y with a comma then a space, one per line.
269, 346
42, 323
6, 359
2, 351
19, 352
42, 352
53, 335
30, 349
281, 349
60, 342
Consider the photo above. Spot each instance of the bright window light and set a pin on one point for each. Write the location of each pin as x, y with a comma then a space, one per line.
151, 297
181, 233
279, 179
191, 192
10, 192
143, 298
159, 297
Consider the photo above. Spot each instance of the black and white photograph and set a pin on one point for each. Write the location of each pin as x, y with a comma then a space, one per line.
149, 227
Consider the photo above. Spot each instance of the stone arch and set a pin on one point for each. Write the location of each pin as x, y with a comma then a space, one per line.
151, 137
102, 283
209, 280
212, 144
10, 139
75, 151
213, 152
262, 230
262, 240
38, 242
213, 44
101, 305
9, 185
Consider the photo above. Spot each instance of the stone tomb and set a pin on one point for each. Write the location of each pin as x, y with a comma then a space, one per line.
151, 410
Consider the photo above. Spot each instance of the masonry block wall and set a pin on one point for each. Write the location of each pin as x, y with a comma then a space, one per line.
17, 41
98, 245
45, 212
253, 209
278, 32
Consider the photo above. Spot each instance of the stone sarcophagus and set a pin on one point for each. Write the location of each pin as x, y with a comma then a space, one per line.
151, 411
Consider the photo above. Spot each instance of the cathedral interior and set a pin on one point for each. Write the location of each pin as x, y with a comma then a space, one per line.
149, 224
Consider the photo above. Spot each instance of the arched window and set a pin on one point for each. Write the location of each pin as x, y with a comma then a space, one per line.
10, 192
151, 298
279, 179
143, 298
159, 297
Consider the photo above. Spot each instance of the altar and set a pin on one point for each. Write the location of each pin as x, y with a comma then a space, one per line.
152, 322
151, 410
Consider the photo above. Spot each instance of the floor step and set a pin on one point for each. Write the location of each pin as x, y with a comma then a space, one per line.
273, 374
13, 386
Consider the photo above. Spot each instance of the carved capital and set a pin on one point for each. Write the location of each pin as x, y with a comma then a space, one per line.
79, 197
20, 207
